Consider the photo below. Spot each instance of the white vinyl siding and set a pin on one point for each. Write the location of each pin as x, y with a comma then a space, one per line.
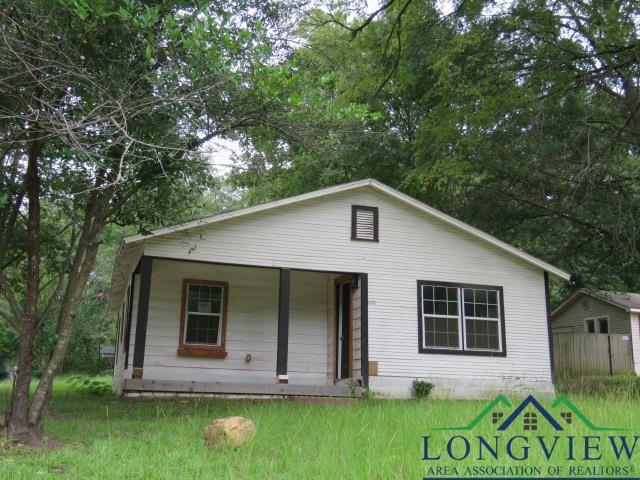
315, 234
635, 340
251, 326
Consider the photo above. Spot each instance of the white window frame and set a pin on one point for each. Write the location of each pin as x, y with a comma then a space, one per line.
187, 313
497, 320
424, 320
462, 327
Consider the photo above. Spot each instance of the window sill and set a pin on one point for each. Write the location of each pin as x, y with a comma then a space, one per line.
207, 352
477, 353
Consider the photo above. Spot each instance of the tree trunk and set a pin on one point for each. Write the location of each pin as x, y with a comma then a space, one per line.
18, 426
78, 279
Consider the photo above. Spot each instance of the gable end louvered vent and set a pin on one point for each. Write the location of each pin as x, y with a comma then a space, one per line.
364, 223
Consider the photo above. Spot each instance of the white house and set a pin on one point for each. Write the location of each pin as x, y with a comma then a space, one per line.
351, 286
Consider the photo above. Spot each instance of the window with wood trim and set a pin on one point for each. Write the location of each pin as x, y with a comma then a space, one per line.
203, 319
364, 223
460, 318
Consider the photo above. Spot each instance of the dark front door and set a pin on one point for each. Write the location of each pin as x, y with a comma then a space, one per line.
343, 330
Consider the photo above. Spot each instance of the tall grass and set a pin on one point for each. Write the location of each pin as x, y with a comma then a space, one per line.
111, 438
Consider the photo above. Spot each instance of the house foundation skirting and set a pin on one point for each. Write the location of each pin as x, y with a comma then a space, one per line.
231, 388
464, 387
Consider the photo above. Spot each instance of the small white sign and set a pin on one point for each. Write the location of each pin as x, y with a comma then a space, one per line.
204, 307
625, 338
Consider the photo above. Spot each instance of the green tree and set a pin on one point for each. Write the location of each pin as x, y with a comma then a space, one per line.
520, 119
104, 105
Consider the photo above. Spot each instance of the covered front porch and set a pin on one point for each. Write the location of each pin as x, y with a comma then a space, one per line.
211, 328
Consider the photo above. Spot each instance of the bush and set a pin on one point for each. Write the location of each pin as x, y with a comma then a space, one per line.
420, 389
99, 386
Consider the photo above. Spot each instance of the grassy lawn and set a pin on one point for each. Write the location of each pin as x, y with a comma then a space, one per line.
111, 438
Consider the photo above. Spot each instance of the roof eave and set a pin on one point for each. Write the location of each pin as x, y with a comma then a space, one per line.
553, 271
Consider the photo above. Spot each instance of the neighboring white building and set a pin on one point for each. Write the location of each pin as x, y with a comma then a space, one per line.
320, 293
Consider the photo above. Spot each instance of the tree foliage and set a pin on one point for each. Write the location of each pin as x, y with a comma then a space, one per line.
519, 118
103, 108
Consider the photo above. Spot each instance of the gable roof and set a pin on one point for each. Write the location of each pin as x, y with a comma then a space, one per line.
629, 302
406, 199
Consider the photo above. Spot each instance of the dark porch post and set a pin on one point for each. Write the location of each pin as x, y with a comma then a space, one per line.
129, 319
143, 315
549, 329
283, 326
364, 329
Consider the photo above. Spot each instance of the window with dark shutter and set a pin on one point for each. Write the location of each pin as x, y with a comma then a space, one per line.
364, 223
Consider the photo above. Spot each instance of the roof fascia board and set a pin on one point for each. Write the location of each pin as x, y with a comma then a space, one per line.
247, 210
584, 291
472, 230
556, 272
566, 303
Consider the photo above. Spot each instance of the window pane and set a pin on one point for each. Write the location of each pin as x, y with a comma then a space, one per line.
468, 310
216, 293
481, 310
492, 328
202, 329
482, 334
481, 296
452, 294
204, 299
480, 303
429, 324
441, 332
427, 292
440, 293
193, 304
427, 307
468, 295
604, 325
440, 325
441, 308
453, 308
492, 297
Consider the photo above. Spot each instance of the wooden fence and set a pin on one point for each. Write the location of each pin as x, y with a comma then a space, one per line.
592, 353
